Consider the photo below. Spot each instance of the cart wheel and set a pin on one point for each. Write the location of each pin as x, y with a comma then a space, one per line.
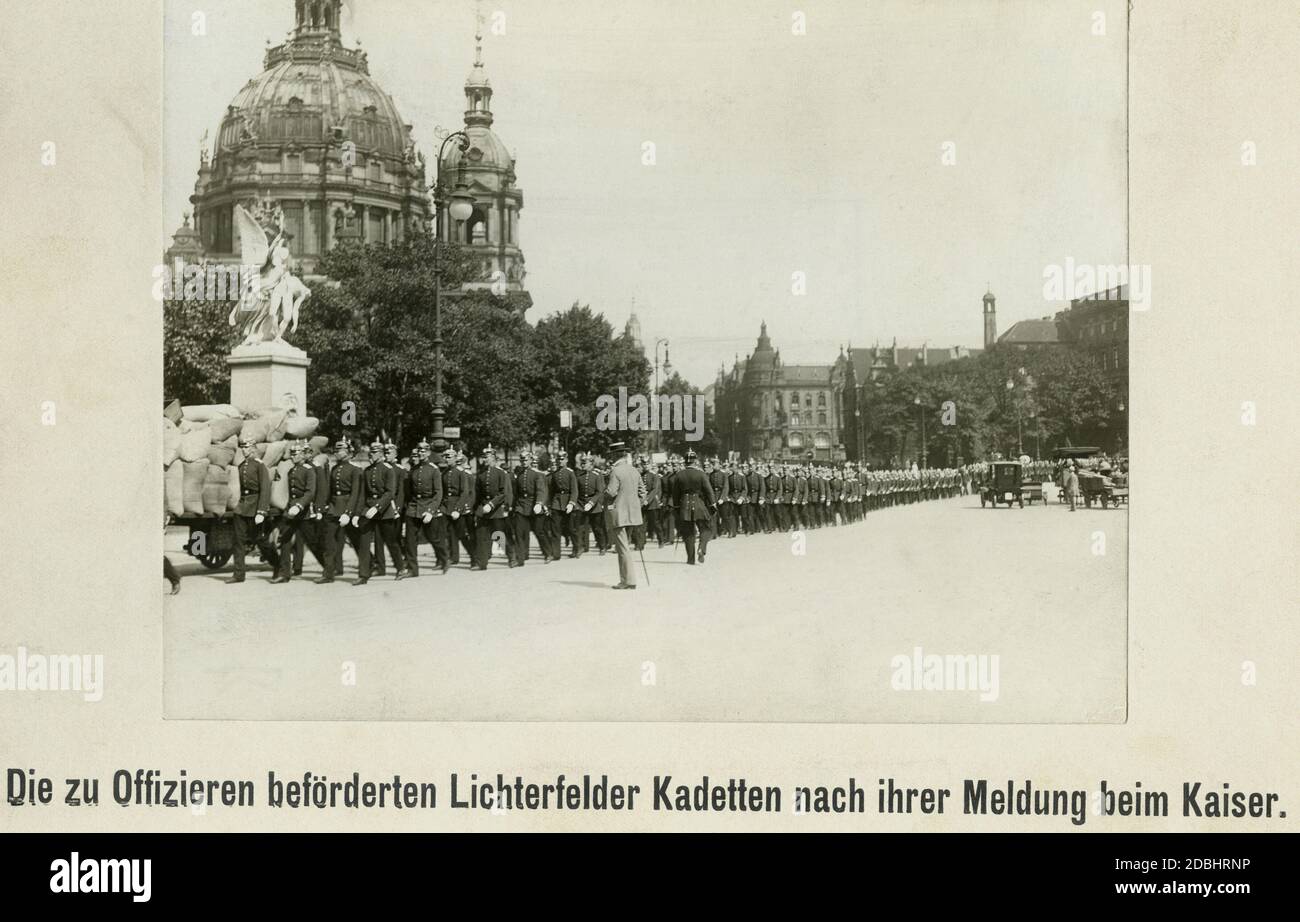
216, 560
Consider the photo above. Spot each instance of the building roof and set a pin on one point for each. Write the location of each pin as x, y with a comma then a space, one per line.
1033, 332
806, 374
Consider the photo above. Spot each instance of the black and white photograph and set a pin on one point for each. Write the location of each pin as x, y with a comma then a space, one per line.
567, 365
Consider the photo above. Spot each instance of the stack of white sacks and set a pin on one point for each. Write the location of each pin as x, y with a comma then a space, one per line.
201, 454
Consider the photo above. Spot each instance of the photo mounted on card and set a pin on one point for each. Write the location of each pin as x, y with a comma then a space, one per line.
646, 361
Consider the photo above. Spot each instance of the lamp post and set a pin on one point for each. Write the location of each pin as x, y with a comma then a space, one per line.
1038, 446
920, 412
1123, 429
460, 207
667, 368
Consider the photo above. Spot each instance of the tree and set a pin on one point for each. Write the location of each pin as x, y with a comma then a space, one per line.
196, 340
577, 359
370, 334
675, 440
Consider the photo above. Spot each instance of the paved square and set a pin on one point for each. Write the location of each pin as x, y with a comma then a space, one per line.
758, 633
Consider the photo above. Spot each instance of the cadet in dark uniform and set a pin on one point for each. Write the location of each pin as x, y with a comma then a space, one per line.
668, 514
380, 515
389, 459
590, 512
755, 493
423, 509
250, 513
650, 505
302, 491
737, 498
492, 501
532, 494
342, 506
462, 517
718, 481
694, 501
564, 494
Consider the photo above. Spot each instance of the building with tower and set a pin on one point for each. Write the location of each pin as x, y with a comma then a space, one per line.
487, 169
769, 410
315, 133
990, 320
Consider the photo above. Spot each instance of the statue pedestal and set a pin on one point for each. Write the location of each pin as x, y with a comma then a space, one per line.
268, 374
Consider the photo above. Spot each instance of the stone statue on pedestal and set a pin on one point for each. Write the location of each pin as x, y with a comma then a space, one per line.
273, 296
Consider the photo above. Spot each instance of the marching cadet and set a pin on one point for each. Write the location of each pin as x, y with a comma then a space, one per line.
836, 499
457, 505
343, 504
315, 528
402, 473
423, 510
492, 498
302, 491
738, 494
755, 492
800, 511
250, 513
564, 492
379, 521
772, 488
667, 512
694, 501
718, 481
650, 505
590, 500
532, 495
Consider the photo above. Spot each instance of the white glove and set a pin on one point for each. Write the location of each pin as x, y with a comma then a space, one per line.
294, 510
455, 514
259, 518
427, 518
370, 513
537, 509
486, 510
344, 519
587, 508
569, 508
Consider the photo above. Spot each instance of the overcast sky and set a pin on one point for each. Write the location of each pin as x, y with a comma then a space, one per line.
776, 153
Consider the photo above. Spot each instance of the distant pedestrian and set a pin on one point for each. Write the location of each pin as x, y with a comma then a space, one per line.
1071, 486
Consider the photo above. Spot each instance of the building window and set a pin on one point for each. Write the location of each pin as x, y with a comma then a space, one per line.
293, 227
794, 398
796, 440
293, 163
794, 419
821, 399
821, 419
822, 440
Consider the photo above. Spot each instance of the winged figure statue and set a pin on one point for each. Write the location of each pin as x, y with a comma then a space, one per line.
272, 298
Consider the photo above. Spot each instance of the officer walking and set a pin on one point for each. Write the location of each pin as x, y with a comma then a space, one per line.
492, 498
532, 494
423, 509
342, 506
694, 501
302, 491
250, 513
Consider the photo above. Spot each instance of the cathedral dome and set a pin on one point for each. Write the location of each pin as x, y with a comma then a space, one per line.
486, 151
316, 134
311, 85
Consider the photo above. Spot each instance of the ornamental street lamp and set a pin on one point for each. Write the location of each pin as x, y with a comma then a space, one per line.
460, 207
920, 412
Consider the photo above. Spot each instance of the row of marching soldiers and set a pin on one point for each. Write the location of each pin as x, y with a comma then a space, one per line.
752, 497
383, 507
